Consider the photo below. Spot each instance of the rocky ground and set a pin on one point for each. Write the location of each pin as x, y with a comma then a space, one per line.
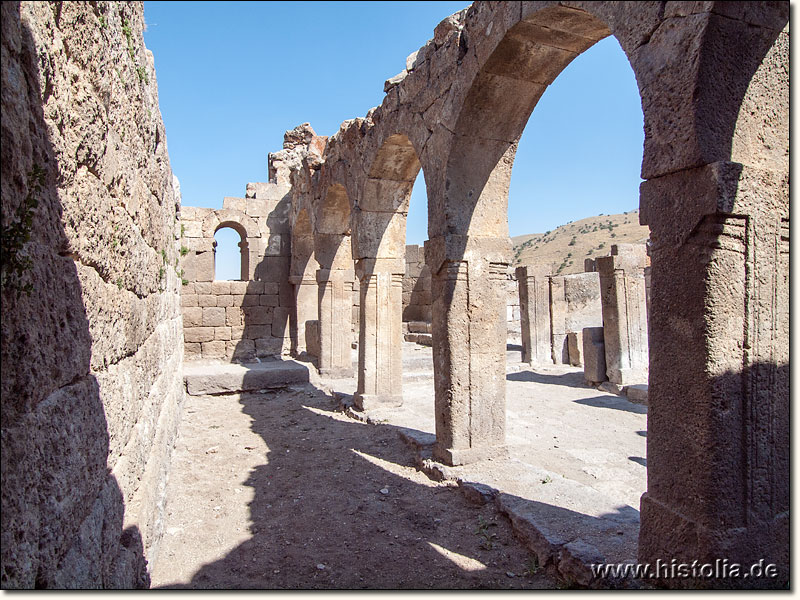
283, 490
279, 490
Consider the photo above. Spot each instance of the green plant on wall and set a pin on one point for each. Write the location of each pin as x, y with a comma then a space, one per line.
15, 233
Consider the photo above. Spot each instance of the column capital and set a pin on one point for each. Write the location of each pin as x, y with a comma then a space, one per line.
447, 248
371, 266
343, 275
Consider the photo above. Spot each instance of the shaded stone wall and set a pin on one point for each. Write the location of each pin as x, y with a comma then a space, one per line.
416, 286
91, 359
574, 304
238, 320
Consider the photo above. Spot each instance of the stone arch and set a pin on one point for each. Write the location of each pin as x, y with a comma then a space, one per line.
714, 223
379, 223
248, 231
333, 249
244, 249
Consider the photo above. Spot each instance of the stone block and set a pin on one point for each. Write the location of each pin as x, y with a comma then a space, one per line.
221, 379
594, 355
192, 350
269, 346
312, 338
280, 322
198, 334
202, 288
575, 348
220, 288
251, 299
233, 316
257, 315
239, 288
213, 316
237, 299
192, 316
243, 349
189, 300
207, 300
255, 288
222, 334
637, 393
271, 287
187, 289
269, 300
252, 332
214, 349
237, 332
225, 301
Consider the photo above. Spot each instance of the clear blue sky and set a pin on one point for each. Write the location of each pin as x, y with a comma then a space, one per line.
234, 76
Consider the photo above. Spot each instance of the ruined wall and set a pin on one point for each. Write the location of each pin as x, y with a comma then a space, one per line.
91, 359
416, 286
574, 304
238, 320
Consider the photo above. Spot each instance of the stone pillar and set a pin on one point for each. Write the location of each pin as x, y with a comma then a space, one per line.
534, 306
558, 320
469, 343
718, 414
305, 309
622, 293
335, 310
380, 340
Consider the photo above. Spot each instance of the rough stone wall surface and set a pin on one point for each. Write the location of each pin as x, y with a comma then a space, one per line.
574, 304
416, 286
91, 359
238, 320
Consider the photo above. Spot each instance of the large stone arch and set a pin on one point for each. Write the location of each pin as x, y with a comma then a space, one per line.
712, 79
379, 223
715, 222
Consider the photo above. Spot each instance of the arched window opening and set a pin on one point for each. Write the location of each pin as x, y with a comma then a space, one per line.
231, 254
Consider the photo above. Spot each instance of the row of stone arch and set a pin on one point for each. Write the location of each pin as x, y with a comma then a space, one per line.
713, 80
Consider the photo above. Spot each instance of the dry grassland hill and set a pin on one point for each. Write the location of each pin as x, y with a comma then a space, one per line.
566, 247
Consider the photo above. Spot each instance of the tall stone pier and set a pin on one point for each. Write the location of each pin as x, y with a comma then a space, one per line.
534, 304
335, 310
380, 340
624, 302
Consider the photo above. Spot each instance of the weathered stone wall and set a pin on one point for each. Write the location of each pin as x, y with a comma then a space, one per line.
91, 359
416, 286
238, 320
574, 304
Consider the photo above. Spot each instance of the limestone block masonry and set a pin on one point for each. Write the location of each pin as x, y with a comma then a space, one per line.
92, 385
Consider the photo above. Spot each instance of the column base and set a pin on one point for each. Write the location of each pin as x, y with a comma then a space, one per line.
667, 535
463, 456
370, 401
337, 372
625, 377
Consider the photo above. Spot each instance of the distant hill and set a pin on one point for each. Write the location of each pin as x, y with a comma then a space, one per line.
566, 247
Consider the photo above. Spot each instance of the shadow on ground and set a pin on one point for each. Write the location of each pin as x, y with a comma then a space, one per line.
339, 505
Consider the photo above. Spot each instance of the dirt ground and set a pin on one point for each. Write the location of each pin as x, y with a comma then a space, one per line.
279, 490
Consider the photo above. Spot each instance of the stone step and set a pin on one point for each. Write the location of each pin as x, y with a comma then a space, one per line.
230, 378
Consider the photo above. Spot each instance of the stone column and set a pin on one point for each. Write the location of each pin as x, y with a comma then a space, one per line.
718, 414
622, 293
335, 310
305, 309
469, 346
380, 340
534, 307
